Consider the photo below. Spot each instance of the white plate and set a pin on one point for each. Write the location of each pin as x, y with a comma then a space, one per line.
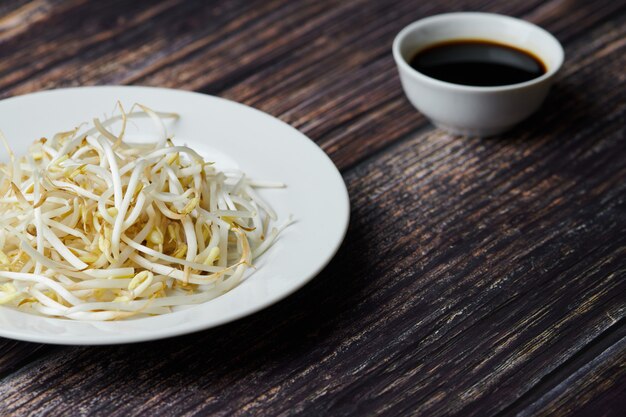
233, 134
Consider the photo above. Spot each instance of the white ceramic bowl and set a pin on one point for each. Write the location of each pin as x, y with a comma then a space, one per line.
469, 110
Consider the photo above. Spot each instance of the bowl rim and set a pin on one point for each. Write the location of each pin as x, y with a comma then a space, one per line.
447, 17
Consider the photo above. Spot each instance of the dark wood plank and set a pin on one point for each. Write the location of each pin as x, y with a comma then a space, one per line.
132, 44
49, 42
591, 383
15, 354
18, 17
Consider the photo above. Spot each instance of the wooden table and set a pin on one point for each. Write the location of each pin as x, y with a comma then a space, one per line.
479, 277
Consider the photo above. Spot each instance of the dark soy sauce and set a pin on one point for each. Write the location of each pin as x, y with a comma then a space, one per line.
478, 63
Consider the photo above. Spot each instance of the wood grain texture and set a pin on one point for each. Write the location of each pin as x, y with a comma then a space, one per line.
479, 277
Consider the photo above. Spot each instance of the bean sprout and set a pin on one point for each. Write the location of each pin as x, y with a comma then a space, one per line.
95, 228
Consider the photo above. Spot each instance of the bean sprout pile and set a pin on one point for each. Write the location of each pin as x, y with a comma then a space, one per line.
93, 227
